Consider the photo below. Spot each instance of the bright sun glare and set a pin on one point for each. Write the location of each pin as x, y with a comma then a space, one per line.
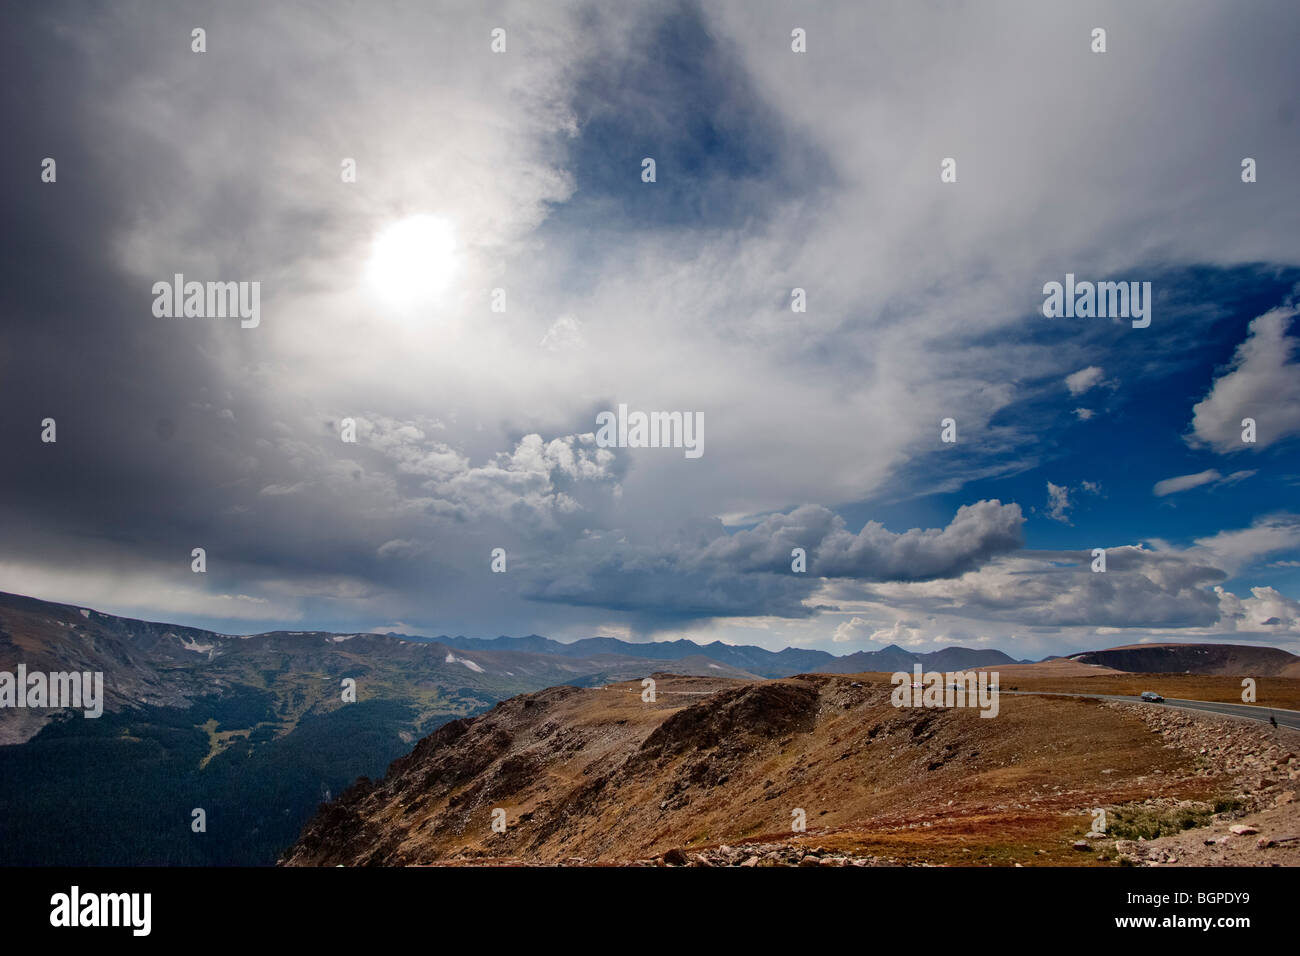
412, 262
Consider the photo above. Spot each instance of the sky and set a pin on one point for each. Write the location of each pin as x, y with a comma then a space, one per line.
521, 169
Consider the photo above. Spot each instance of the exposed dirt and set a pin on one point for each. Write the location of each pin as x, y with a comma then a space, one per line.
1264, 811
713, 772
1058, 667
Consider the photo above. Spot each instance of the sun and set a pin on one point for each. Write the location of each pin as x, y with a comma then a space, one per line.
412, 262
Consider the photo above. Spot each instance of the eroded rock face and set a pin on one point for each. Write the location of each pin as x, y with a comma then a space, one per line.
513, 755
734, 716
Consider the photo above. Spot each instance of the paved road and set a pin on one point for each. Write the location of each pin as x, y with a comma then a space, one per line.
1285, 718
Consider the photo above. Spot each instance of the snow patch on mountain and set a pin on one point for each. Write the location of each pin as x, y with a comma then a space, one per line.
189, 644
453, 659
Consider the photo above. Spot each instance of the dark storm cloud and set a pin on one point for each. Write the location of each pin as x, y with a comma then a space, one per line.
80, 345
752, 572
775, 171
682, 96
162, 446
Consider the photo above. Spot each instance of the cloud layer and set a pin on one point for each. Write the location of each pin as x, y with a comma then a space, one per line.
776, 171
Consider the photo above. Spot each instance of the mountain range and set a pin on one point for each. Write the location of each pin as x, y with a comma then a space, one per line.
169, 665
257, 730
757, 661
254, 729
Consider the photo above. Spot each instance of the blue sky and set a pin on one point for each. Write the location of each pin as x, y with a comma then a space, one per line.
775, 171
1137, 435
